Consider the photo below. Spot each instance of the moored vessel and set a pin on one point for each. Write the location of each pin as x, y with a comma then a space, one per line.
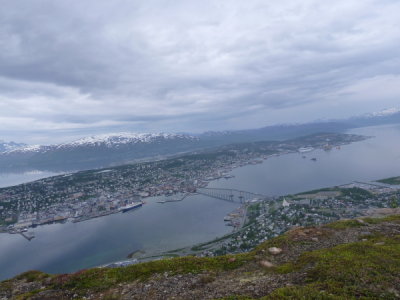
130, 206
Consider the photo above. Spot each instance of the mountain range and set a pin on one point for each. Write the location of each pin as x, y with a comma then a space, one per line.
9, 146
96, 151
119, 148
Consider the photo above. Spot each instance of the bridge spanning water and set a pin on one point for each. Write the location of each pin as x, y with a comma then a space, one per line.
231, 195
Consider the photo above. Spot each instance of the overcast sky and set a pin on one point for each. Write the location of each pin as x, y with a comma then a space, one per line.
71, 68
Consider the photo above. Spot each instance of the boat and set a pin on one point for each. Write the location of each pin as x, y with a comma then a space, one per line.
313, 159
130, 206
306, 149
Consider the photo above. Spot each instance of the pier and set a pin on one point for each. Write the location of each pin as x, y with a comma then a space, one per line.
27, 235
176, 199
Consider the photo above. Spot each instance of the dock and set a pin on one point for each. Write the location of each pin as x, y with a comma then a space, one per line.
174, 199
28, 236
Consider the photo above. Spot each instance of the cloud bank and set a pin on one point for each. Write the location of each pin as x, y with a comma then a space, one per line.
69, 67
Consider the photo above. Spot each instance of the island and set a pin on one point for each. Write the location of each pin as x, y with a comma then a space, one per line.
95, 193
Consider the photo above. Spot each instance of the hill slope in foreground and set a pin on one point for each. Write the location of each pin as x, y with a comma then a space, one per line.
343, 260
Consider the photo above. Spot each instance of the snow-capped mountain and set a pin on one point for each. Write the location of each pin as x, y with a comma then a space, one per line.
113, 140
9, 146
119, 148
385, 112
98, 151
124, 138
386, 116
26, 148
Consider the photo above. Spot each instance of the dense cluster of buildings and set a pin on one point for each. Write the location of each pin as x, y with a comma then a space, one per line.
267, 219
95, 193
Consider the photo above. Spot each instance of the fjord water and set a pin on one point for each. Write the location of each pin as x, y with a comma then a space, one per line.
10, 179
372, 159
68, 247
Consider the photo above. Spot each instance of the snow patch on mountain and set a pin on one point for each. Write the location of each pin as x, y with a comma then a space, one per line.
30, 148
108, 140
125, 138
9, 146
385, 112
26, 149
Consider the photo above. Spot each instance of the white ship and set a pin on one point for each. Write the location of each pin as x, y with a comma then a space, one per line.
306, 149
130, 206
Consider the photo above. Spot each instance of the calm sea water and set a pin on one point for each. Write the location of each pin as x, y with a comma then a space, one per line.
10, 179
72, 246
371, 159
68, 247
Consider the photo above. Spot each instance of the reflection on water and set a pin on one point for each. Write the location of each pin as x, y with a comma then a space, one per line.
72, 246
68, 247
367, 160
9, 179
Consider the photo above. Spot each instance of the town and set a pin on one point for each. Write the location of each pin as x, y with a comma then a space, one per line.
270, 218
89, 194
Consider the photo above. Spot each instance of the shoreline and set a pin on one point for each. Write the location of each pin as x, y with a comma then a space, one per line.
204, 182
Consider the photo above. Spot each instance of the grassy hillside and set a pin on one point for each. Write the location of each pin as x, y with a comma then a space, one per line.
343, 260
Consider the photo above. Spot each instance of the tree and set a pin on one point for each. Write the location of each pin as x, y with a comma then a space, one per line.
394, 203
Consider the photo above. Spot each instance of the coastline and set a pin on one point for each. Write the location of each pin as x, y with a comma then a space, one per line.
218, 173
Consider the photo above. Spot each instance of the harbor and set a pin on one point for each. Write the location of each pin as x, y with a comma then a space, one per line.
159, 228
176, 198
24, 233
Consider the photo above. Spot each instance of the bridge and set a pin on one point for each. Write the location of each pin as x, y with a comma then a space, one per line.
231, 195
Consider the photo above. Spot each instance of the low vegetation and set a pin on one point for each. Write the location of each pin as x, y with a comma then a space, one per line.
391, 180
368, 269
349, 259
95, 280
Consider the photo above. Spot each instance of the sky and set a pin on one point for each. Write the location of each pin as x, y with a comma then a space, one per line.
74, 68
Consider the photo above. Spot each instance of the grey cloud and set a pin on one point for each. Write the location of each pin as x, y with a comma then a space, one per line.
142, 65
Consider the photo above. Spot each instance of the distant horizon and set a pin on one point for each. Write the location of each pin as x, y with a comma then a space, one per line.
110, 132
71, 69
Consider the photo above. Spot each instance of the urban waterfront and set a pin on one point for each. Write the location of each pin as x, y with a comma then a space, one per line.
68, 247
94, 193
60, 248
